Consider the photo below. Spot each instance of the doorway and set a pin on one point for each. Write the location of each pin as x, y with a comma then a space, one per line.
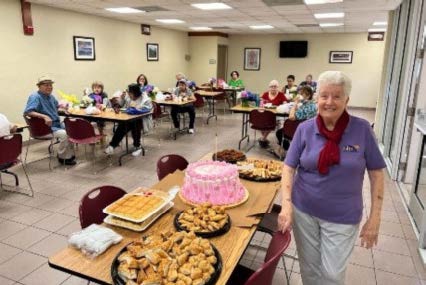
222, 62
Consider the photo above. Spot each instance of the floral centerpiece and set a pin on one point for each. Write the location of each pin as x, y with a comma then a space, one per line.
191, 85
86, 101
247, 96
68, 100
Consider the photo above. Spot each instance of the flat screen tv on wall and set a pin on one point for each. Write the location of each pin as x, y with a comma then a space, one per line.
293, 48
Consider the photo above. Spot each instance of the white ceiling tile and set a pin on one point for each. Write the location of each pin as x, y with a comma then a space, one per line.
359, 14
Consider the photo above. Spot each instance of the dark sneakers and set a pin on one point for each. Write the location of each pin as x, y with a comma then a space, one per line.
69, 161
263, 143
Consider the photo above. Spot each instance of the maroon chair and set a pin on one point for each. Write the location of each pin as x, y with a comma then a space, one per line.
289, 128
10, 151
264, 275
288, 131
80, 131
170, 163
38, 130
262, 120
94, 201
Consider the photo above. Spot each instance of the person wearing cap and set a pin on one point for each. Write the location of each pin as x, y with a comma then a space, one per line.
179, 76
186, 94
42, 104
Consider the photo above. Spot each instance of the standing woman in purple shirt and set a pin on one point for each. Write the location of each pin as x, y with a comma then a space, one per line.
322, 185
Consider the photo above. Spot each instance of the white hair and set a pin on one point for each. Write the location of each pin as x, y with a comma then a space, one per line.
181, 75
274, 82
336, 78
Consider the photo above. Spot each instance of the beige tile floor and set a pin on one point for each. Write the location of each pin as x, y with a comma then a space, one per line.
31, 229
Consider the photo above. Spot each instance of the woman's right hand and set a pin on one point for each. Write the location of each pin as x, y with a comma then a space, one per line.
285, 218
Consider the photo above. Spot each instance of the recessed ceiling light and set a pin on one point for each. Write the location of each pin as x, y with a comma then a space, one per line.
170, 21
200, 28
124, 10
261, 27
316, 2
329, 15
329, 25
380, 23
377, 30
211, 6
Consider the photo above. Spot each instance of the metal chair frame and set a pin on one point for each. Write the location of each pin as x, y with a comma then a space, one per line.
11, 147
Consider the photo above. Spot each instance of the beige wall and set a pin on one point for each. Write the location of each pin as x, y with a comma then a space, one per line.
365, 70
202, 50
120, 54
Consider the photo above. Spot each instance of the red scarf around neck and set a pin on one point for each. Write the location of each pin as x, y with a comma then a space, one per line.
330, 153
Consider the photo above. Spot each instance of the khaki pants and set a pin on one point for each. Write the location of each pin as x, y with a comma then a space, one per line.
65, 148
323, 248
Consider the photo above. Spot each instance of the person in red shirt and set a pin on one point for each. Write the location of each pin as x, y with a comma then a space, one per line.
273, 95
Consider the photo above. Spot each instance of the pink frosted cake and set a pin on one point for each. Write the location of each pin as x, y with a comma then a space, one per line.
216, 182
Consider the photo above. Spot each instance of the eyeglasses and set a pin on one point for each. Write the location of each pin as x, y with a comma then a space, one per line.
273, 86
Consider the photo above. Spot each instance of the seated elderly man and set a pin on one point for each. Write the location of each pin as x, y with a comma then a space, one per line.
42, 104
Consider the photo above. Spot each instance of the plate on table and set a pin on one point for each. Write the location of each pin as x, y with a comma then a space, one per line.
260, 170
204, 234
229, 156
118, 277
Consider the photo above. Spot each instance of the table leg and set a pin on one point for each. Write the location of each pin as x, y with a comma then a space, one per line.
210, 102
244, 130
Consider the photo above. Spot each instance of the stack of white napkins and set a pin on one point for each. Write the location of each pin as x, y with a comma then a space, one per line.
94, 239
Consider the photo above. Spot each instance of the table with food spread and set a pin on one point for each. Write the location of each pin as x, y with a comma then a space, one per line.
166, 238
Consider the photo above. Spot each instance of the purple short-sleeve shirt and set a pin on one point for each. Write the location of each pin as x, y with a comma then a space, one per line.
337, 196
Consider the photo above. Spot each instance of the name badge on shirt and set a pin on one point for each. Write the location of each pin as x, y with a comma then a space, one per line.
351, 148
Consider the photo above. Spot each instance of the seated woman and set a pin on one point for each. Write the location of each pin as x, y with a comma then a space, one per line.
142, 81
306, 110
273, 95
276, 98
235, 80
290, 90
309, 82
135, 99
184, 93
99, 97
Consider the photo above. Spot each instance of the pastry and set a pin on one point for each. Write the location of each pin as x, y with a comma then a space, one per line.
168, 258
262, 170
135, 207
229, 155
203, 218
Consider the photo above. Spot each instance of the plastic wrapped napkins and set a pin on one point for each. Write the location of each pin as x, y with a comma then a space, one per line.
94, 239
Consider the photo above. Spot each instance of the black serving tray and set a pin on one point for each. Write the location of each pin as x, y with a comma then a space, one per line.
219, 232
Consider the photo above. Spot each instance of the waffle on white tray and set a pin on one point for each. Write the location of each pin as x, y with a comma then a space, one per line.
137, 227
137, 207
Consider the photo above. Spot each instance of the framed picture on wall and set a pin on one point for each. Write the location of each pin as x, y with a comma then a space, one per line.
84, 48
252, 59
152, 52
340, 57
